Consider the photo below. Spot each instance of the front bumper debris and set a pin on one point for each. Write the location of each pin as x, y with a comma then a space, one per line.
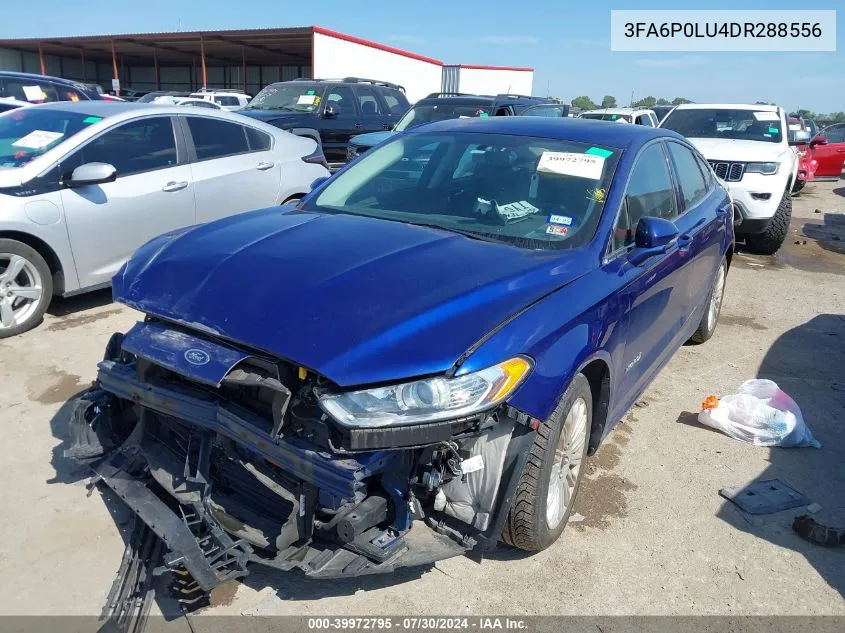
229, 463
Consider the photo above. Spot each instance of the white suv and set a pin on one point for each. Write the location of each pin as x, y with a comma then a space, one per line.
227, 99
749, 148
639, 116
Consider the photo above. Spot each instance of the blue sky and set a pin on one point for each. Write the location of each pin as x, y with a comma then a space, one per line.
566, 42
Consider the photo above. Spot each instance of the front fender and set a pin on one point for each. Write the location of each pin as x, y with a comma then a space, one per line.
562, 333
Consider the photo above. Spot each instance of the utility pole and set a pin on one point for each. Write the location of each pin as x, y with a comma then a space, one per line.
631, 104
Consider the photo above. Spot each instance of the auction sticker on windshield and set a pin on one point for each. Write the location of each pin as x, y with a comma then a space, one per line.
571, 164
37, 139
767, 116
306, 100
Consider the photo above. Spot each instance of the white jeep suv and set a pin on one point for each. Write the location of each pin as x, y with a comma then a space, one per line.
749, 148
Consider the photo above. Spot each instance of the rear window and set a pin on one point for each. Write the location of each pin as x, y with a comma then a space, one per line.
29, 132
214, 138
395, 100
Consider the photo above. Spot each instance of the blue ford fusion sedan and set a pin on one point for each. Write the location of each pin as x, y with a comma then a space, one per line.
414, 361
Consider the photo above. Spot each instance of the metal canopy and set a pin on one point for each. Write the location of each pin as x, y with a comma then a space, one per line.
276, 46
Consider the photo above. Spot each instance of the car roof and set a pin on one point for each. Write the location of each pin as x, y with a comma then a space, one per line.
564, 129
34, 77
458, 99
728, 106
126, 109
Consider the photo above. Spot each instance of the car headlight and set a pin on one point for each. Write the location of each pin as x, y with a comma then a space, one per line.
767, 169
427, 400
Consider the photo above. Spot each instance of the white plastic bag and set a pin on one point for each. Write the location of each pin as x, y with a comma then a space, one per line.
760, 413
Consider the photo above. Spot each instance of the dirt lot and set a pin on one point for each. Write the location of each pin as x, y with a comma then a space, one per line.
656, 539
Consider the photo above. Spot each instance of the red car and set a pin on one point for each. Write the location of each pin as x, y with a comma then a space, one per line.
807, 164
828, 149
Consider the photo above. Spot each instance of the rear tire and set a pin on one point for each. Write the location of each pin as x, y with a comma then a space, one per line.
26, 287
546, 491
769, 241
713, 307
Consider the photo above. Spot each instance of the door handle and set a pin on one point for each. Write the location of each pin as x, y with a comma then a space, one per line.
264, 166
175, 186
359, 126
684, 242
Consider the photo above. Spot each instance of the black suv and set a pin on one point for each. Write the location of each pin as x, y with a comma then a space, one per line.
17, 89
451, 105
331, 111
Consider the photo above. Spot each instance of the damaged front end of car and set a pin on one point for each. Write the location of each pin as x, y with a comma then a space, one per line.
231, 457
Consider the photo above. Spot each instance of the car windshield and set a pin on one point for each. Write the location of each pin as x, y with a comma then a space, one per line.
727, 123
530, 192
605, 116
426, 113
29, 132
293, 96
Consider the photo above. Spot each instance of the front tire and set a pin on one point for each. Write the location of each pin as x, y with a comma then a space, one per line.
546, 491
713, 308
26, 287
769, 241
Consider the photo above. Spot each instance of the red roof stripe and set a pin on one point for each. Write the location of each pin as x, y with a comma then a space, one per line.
376, 45
479, 67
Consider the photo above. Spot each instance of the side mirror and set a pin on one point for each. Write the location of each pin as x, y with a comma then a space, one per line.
797, 137
331, 110
653, 237
819, 140
92, 174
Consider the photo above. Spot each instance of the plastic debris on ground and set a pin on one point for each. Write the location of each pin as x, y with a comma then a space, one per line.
765, 497
760, 413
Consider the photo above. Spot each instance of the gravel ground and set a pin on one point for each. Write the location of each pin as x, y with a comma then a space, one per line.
656, 536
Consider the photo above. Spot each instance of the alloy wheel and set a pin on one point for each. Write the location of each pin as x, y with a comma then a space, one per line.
21, 290
569, 453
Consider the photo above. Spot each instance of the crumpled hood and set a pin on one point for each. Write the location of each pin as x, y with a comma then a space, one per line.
358, 300
739, 150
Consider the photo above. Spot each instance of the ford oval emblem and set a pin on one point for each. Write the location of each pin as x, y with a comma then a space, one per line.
197, 357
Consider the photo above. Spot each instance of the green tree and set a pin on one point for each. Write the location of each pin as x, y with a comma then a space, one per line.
648, 102
680, 100
663, 101
608, 101
806, 114
584, 102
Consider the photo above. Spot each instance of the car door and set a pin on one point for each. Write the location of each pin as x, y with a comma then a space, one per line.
830, 156
338, 128
653, 295
151, 195
373, 112
233, 167
702, 223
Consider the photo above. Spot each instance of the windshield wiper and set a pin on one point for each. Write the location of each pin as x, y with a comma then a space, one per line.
484, 237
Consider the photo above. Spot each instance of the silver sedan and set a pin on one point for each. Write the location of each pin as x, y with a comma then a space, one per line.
83, 185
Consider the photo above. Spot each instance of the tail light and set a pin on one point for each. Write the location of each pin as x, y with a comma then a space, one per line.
316, 157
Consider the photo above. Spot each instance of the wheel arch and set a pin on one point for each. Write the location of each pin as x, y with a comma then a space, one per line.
44, 249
